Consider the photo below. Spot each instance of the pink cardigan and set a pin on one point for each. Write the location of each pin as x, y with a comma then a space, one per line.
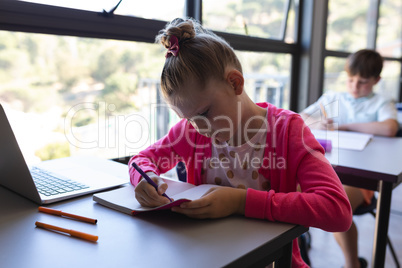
322, 202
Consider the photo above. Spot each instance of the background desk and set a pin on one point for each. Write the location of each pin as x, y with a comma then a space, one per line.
377, 167
160, 239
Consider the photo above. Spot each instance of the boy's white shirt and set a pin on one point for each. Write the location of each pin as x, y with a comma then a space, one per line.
344, 109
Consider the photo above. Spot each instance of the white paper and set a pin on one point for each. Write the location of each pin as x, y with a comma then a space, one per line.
344, 139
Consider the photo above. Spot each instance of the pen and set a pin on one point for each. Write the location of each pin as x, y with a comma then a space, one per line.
64, 214
81, 235
149, 180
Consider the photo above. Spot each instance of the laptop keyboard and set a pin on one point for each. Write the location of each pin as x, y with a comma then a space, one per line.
49, 185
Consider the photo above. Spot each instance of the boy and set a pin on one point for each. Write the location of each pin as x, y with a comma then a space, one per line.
361, 110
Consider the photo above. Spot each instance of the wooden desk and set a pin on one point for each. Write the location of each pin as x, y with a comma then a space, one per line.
159, 239
378, 167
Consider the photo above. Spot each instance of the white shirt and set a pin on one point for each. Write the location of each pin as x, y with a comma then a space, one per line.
344, 109
238, 166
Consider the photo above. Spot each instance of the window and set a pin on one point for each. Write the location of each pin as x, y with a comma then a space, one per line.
274, 19
347, 25
76, 95
390, 79
336, 77
80, 89
352, 26
389, 42
144, 9
267, 77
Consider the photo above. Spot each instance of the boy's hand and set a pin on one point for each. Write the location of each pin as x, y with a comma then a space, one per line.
146, 194
327, 124
216, 203
323, 124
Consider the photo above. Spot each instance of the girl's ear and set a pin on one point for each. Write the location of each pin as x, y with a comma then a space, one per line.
236, 80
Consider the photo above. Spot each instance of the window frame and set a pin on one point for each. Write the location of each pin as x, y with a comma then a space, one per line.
46, 19
308, 52
371, 42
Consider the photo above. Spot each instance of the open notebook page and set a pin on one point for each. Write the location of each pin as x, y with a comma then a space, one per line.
344, 139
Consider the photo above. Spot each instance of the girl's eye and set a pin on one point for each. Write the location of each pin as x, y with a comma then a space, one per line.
205, 113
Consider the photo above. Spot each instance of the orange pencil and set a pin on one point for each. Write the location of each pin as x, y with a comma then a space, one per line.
81, 235
64, 214
324, 113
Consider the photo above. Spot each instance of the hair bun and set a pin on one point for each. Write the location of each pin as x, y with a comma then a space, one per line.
199, 55
183, 29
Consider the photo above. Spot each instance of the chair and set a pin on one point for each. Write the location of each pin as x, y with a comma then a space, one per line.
304, 242
181, 171
399, 133
371, 209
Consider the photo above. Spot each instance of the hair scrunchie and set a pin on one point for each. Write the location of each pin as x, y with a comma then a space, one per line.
173, 49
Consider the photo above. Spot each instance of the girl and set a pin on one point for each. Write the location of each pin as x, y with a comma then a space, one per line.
259, 153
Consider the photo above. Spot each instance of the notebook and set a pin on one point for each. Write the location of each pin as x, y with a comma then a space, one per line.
81, 175
123, 200
344, 139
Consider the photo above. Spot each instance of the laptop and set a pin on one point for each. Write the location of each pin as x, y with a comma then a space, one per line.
54, 180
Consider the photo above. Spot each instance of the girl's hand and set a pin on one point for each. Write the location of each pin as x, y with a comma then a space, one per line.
146, 194
216, 203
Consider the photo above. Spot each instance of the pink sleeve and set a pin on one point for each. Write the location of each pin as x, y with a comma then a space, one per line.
322, 202
146, 166
163, 155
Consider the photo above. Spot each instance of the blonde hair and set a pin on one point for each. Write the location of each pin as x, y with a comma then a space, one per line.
202, 56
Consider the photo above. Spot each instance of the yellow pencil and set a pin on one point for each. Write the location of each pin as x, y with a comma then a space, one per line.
323, 111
